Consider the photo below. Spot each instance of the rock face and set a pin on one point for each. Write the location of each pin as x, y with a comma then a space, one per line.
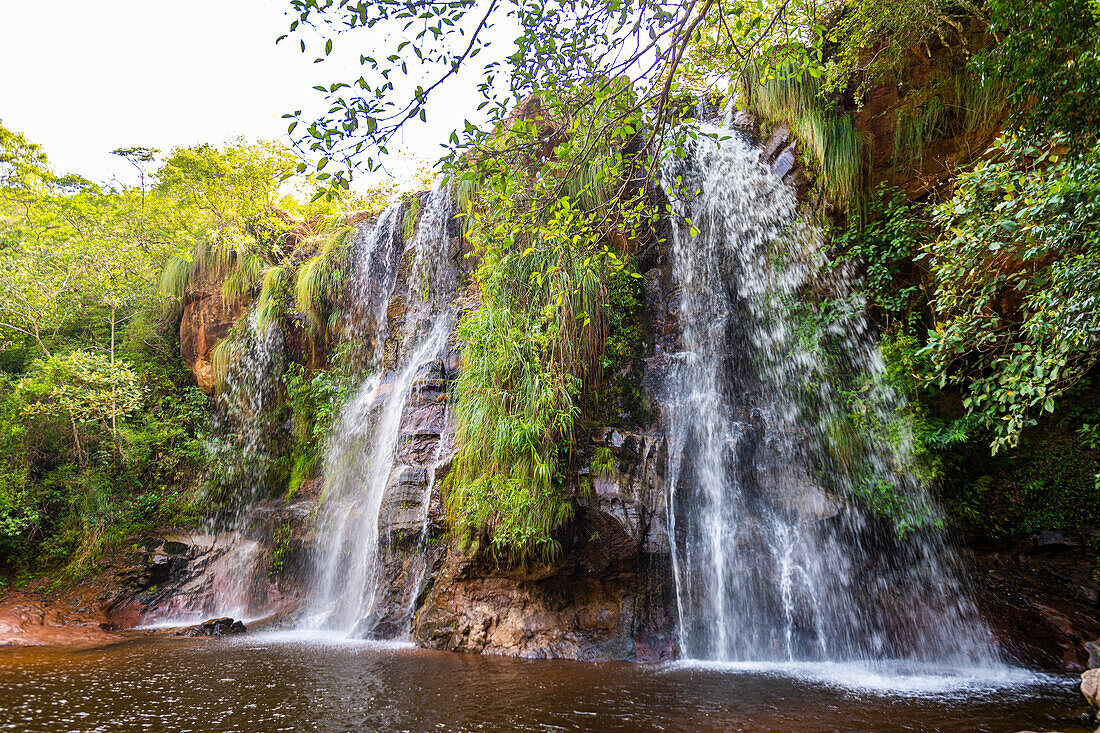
195, 574
38, 616
578, 611
206, 319
1040, 599
609, 598
886, 102
160, 578
1093, 648
411, 495
611, 595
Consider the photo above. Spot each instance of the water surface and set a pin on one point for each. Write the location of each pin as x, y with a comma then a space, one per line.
262, 684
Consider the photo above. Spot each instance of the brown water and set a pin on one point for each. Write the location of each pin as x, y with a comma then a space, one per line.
259, 684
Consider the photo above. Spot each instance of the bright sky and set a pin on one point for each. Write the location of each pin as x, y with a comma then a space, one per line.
84, 78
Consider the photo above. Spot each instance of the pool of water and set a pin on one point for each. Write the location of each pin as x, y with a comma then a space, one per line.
265, 683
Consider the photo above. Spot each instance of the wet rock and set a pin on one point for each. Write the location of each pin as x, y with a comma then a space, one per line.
632, 493
426, 420
1034, 603
785, 162
776, 143
1047, 541
610, 595
214, 627
430, 377
403, 501
417, 449
1094, 653
616, 612
38, 615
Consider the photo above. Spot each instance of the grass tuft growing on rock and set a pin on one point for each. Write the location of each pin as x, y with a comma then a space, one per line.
837, 148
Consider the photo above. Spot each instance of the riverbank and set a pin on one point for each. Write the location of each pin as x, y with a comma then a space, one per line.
42, 615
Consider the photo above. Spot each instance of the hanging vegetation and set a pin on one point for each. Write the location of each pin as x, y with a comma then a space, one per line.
549, 227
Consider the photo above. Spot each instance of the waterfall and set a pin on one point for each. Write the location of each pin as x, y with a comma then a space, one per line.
244, 417
376, 252
364, 461
245, 428
774, 559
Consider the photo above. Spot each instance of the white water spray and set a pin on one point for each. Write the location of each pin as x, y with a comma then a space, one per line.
774, 561
361, 461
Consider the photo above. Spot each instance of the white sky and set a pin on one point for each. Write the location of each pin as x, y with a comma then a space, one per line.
83, 78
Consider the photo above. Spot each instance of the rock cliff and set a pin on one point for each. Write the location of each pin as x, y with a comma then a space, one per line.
611, 595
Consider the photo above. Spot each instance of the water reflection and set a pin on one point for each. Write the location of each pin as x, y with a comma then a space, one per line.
263, 684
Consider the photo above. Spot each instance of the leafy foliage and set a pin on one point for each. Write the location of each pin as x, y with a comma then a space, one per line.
81, 386
872, 40
313, 401
576, 44
997, 268
1048, 56
881, 240
1017, 297
100, 432
1047, 482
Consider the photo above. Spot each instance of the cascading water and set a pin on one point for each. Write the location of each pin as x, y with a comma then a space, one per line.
769, 564
362, 460
376, 252
245, 410
245, 426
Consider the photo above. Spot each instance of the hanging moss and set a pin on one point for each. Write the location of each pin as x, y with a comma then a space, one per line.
960, 104
835, 147
413, 205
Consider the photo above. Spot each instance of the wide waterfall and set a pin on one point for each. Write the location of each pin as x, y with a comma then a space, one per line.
362, 461
774, 559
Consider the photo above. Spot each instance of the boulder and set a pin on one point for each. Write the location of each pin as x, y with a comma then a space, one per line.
1094, 653
1090, 687
1049, 540
214, 627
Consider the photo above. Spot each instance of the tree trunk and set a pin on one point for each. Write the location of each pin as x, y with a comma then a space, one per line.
76, 440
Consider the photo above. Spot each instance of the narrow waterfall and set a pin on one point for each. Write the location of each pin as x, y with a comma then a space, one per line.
376, 253
244, 418
247, 407
774, 560
245, 429
364, 461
